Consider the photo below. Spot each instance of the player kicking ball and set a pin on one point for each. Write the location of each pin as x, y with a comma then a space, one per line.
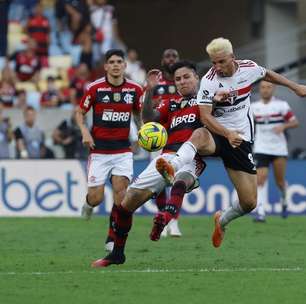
182, 117
224, 102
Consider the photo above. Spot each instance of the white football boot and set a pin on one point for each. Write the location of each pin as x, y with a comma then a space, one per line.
86, 211
174, 229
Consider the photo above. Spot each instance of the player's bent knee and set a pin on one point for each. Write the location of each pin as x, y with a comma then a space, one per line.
134, 198
185, 177
199, 137
94, 198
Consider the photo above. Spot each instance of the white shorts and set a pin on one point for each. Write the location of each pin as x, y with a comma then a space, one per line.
151, 179
103, 166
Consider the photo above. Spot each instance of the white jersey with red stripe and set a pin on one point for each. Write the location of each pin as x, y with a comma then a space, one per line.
234, 113
267, 116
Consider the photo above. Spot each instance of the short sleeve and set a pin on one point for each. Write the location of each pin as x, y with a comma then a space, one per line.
287, 112
256, 72
206, 92
139, 96
87, 100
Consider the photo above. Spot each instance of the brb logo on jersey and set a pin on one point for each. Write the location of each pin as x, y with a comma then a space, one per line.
188, 118
115, 116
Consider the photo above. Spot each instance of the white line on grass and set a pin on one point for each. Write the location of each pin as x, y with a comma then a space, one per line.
200, 270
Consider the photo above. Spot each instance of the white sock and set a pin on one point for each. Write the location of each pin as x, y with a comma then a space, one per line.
231, 213
184, 155
262, 199
283, 194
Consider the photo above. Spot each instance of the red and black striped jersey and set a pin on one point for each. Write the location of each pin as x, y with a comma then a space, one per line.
165, 91
181, 118
112, 108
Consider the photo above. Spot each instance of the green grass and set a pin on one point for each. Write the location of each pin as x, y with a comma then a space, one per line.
48, 261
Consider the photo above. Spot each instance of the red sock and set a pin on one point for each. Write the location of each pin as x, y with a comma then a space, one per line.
174, 204
122, 225
111, 233
161, 200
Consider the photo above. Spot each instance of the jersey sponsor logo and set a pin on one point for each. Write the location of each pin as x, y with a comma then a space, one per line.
128, 98
104, 89
128, 90
117, 97
242, 81
218, 112
188, 118
109, 115
220, 85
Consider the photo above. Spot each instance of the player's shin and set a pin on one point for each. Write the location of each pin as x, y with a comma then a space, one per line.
109, 242
122, 224
262, 199
161, 200
174, 204
232, 212
184, 155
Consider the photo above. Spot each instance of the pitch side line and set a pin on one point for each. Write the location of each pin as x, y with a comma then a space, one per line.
200, 270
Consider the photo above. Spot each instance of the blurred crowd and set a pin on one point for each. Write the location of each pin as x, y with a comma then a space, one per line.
55, 48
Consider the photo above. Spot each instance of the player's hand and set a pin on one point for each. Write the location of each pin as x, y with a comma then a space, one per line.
221, 96
279, 129
235, 139
300, 90
88, 140
153, 77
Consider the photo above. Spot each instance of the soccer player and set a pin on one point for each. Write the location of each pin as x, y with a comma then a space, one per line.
113, 100
272, 117
181, 117
164, 91
224, 101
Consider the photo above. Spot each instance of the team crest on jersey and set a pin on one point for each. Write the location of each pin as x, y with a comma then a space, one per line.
172, 89
106, 99
117, 97
161, 91
128, 98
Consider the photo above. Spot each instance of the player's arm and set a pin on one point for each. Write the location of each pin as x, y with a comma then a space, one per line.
85, 105
276, 78
148, 112
214, 126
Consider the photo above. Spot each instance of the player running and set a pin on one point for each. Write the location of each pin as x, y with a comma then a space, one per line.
182, 117
224, 100
272, 117
113, 99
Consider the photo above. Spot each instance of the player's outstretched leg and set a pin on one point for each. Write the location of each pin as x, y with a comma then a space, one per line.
122, 225
171, 211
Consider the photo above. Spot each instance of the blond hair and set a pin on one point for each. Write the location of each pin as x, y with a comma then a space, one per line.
219, 45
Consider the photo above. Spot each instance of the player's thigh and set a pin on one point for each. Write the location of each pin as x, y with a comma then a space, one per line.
262, 175
95, 195
119, 185
150, 178
203, 140
122, 165
98, 169
134, 198
279, 168
246, 187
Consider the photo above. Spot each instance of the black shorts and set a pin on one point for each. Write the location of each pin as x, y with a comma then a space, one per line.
264, 160
240, 158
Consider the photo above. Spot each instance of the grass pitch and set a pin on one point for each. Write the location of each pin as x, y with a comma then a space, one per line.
48, 261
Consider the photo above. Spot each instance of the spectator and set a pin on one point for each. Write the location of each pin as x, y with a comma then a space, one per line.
68, 135
75, 14
51, 97
134, 68
21, 9
38, 28
79, 83
29, 138
6, 134
46, 152
27, 63
8, 74
104, 20
21, 99
7, 93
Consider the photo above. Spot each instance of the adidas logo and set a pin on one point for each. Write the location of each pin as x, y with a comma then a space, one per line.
220, 85
106, 98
